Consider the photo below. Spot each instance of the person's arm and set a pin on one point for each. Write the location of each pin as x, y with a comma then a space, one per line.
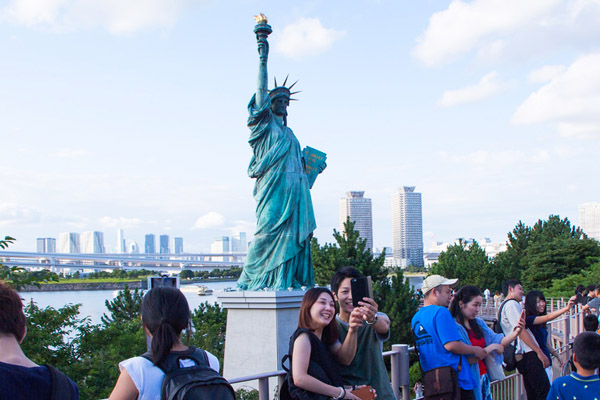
124, 388
300, 361
458, 347
346, 351
529, 341
370, 309
554, 352
508, 339
542, 319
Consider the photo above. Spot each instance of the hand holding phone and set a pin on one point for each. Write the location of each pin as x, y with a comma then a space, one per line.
361, 287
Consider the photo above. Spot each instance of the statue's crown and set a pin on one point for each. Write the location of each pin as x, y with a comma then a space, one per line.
279, 91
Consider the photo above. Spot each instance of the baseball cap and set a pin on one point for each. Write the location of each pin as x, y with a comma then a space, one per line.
434, 281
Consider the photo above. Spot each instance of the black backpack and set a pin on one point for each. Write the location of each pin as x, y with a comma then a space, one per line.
509, 362
191, 383
62, 388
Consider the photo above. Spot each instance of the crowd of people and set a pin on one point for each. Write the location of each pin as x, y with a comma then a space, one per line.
336, 351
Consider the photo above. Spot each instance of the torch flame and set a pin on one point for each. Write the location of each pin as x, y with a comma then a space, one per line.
261, 19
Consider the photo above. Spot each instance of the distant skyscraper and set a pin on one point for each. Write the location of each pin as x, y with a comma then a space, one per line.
359, 209
92, 242
46, 245
407, 220
133, 247
68, 242
121, 247
220, 246
239, 243
164, 244
589, 219
150, 244
178, 245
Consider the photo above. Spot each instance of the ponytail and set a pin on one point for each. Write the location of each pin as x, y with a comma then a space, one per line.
165, 313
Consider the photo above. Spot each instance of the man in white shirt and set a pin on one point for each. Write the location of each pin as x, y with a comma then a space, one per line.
531, 361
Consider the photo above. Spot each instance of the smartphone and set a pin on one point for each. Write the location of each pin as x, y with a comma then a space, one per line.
364, 393
361, 287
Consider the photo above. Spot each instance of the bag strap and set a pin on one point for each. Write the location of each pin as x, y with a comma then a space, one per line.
60, 386
171, 363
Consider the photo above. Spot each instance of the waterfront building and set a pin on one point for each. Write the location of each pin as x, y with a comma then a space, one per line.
150, 244
239, 243
407, 221
359, 209
164, 244
92, 242
68, 242
121, 246
178, 245
589, 219
220, 246
133, 247
46, 245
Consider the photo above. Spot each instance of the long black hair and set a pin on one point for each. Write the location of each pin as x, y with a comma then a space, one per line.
466, 294
165, 313
330, 332
531, 304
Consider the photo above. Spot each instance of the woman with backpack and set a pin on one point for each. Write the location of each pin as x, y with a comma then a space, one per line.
314, 374
464, 308
535, 320
165, 314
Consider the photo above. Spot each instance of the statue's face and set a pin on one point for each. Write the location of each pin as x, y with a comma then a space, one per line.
279, 106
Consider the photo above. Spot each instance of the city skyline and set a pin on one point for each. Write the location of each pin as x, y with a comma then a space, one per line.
114, 118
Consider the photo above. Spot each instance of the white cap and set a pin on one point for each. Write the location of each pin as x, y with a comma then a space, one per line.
433, 281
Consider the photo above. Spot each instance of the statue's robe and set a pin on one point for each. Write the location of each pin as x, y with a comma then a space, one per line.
279, 256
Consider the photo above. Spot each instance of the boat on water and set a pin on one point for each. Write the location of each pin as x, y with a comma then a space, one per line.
204, 291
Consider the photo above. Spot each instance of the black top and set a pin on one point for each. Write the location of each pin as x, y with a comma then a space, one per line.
35, 383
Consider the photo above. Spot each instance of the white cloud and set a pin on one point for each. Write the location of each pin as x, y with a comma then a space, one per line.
465, 26
243, 226
546, 73
116, 16
120, 222
571, 100
70, 153
306, 38
209, 220
14, 214
486, 87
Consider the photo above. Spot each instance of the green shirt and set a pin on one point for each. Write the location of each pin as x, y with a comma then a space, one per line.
367, 367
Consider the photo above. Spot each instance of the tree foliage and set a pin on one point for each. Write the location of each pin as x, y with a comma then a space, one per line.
467, 262
125, 306
209, 324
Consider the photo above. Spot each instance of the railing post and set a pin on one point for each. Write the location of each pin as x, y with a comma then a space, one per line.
400, 374
263, 389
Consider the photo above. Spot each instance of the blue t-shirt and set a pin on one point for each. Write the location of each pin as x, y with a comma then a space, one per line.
575, 386
433, 327
540, 333
18, 382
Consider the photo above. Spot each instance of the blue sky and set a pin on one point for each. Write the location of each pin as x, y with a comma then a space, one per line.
131, 114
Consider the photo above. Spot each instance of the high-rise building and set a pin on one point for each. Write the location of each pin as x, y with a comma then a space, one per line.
92, 242
150, 244
133, 247
358, 208
239, 243
407, 220
220, 246
46, 245
68, 242
164, 244
121, 246
178, 245
589, 219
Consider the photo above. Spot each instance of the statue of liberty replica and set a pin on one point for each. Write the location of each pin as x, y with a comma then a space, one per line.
279, 257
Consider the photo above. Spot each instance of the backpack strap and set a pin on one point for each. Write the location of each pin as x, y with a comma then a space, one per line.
171, 363
60, 385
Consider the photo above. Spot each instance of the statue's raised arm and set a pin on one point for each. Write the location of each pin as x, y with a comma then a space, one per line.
262, 30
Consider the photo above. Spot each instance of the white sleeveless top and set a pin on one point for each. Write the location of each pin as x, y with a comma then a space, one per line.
148, 378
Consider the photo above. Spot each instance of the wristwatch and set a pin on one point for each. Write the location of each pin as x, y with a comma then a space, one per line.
374, 321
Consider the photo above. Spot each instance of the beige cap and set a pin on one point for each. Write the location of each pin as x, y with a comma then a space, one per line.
433, 281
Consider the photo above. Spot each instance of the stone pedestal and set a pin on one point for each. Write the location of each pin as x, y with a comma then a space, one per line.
259, 326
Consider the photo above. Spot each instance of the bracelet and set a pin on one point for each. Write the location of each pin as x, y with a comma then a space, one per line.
374, 321
342, 393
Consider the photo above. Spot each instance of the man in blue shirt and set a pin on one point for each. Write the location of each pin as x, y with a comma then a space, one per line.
439, 343
583, 384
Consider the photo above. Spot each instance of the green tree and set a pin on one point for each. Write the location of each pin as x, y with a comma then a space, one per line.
548, 250
209, 323
349, 250
125, 306
186, 274
565, 287
467, 262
